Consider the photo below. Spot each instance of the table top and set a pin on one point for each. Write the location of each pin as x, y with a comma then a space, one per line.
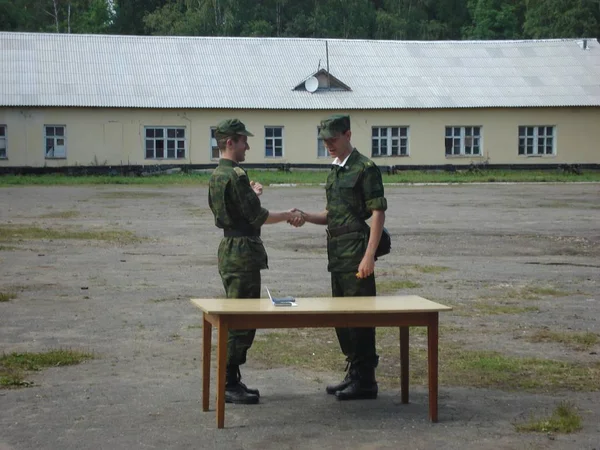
323, 305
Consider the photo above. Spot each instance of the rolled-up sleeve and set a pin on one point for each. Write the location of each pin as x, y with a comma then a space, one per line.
249, 203
373, 189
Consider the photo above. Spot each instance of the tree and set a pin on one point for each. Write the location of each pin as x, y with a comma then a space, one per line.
13, 16
562, 18
129, 15
494, 19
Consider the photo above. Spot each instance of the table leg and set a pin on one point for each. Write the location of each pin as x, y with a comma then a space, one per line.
432, 359
404, 381
206, 352
221, 364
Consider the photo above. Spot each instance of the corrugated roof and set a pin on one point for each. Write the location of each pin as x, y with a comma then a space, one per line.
39, 69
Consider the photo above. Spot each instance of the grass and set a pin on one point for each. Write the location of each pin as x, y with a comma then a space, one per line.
430, 269
577, 341
7, 296
14, 366
528, 292
268, 177
25, 232
391, 286
564, 419
60, 215
505, 308
318, 350
132, 194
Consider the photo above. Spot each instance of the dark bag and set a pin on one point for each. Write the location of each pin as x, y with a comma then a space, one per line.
385, 244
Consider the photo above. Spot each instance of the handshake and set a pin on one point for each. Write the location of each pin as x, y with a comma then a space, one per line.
296, 217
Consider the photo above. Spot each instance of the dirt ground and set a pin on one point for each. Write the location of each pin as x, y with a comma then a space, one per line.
129, 304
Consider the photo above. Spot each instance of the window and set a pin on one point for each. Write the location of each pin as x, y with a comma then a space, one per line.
321, 150
165, 143
273, 142
3, 142
389, 141
536, 141
214, 147
463, 141
54, 136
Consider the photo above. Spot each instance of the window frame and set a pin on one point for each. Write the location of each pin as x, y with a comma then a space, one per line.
321, 143
165, 138
535, 137
389, 138
4, 139
273, 138
462, 137
55, 138
214, 146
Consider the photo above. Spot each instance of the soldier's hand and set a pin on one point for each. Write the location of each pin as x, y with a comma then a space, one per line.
366, 267
257, 188
296, 217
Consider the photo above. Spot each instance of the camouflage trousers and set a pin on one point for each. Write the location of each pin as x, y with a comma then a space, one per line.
240, 285
357, 344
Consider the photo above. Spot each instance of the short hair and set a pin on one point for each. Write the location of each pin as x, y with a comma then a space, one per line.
222, 141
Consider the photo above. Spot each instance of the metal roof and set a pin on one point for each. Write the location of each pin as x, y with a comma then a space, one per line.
39, 69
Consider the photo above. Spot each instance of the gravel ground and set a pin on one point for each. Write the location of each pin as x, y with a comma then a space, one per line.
129, 304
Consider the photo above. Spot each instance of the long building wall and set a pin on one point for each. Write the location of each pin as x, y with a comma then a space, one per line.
117, 136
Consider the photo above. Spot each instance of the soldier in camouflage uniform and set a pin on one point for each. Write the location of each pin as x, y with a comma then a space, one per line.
234, 202
354, 193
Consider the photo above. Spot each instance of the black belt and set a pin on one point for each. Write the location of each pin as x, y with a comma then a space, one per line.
241, 233
344, 229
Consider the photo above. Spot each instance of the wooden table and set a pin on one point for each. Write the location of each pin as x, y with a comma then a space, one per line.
401, 311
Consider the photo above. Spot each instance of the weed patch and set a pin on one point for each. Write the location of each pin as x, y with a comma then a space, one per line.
133, 194
60, 215
318, 349
564, 419
577, 341
481, 308
14, 366
430, 269
7, 296
527, 292
15, 232
391, 286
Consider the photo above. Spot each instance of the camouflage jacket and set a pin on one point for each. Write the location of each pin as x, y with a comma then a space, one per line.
235, 205
353, 192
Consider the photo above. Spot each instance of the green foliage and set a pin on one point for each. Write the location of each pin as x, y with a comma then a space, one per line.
359, 19
494, 19
560, 19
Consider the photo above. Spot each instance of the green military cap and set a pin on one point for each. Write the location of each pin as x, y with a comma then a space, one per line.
231, 127
334, 125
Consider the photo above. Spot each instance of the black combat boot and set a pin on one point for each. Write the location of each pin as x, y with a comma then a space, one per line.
350, 374
362, 386
246, 388
234, 390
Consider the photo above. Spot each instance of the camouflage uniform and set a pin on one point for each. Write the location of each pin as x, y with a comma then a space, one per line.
353, 192
241, 253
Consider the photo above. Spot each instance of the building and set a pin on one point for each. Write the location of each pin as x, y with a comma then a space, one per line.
99, 100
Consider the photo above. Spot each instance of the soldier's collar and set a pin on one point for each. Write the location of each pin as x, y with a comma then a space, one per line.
337, 162
227, 162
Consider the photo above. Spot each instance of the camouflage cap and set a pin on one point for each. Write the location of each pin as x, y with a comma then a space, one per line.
334, 125
231, 127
